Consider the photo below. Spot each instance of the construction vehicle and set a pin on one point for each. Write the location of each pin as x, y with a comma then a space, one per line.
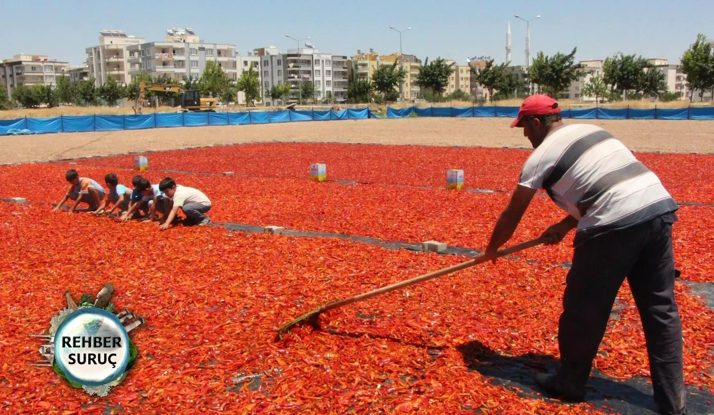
190, 100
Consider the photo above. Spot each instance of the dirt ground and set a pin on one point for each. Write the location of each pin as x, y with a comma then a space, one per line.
659, 135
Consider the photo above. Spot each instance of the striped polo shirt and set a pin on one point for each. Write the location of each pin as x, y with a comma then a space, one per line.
591, 175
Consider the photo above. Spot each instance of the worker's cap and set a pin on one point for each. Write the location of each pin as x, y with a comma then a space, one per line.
536, 105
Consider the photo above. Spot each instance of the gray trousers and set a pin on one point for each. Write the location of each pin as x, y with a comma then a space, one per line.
86, 198
196, 212
643, 254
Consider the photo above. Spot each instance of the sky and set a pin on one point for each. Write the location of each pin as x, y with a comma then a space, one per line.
454, 29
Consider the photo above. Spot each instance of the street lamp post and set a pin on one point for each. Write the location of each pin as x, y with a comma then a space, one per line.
401, 60
299, 75
528, 43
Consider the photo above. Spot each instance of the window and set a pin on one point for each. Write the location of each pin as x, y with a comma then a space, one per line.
48, 68
577, 95
194, 64
266, 74
280, 82
280, 62
280, 73
327, 63
194, 51
328, 73
328, 83
50, 78
317, 62
34, 68
245, 63
209, 52
317, 73
266, 63
266, 83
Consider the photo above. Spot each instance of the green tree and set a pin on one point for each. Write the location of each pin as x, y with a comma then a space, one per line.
87, 93
44, 94
491, 76
386, 80
308, 91
133, 89
229, 95
595, 87
214, 81
111, 92
249, 84
66, 90
24, 96
698, 65
278, 92
653, 82
190, 83
358, 90
626, 73
5, 103
435, 75
554, 74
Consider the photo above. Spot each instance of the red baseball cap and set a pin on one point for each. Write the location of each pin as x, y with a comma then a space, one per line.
536, 105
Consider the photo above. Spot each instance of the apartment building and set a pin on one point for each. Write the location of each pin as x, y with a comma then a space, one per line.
78, 74
411, 65
29, 70
460, 79
363, 64
181, 54
110, 59
271, 66
477, 90
674, 77
589, 69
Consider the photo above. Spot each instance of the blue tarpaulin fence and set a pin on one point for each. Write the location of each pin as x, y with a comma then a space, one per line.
692, 113
65, 124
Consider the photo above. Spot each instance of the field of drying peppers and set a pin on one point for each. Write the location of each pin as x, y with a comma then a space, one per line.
212, 298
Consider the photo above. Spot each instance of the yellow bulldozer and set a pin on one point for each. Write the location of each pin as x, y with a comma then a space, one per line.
190, 100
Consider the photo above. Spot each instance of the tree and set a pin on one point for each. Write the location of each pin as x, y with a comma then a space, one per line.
698, 65
653, 83
229, 95
111, 92
435, 75
280, 92
190, 83
86, 92
308, 91
133, 89
595, 87
44, 94
358, 90
625, 73
249, 84
24, 96
66, 90
386, 80
510, 85
214, 80
5, 103
554, 74
490, 76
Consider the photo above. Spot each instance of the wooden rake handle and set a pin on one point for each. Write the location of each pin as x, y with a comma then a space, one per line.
478, 260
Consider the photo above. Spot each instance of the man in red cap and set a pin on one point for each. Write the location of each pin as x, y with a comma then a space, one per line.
623, 216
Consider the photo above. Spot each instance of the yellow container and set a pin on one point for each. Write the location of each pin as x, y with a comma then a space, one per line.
141, 163
455, 179
318, 172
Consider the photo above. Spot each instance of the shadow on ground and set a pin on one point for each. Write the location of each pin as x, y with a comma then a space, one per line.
631, 397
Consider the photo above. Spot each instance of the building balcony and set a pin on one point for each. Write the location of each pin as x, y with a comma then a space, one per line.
114, 58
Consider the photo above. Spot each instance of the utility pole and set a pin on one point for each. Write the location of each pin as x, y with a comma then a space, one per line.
299, 67
401, 60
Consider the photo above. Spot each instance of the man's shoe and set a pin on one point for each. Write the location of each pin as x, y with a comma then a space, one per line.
555, 389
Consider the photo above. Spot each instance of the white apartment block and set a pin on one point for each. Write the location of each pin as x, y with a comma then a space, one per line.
326, 71
110, 59
78, 74
589, 69
181, 54
29, 70
244, 64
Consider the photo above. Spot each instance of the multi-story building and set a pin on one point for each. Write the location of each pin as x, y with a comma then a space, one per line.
364, 64
589, 69
29, 70
460, 79
675, 79
270, 65
340, 78
181, 54
110, 59
78, 74
411, 65
477, 90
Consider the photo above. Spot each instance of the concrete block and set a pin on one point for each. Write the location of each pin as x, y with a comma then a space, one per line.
228, 173
18, 200
433, 246
275, 230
